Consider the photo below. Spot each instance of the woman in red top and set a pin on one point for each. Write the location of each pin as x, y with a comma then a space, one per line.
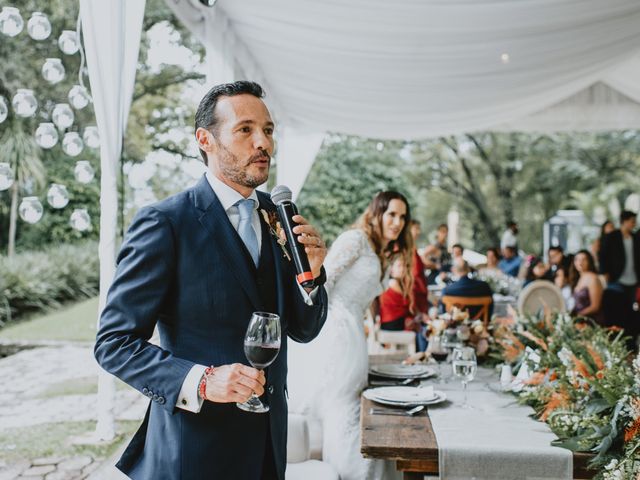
396, 308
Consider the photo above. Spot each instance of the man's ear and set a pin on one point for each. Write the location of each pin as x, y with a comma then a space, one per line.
205, 140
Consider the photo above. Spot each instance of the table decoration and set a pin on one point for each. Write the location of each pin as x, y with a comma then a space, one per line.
584, 385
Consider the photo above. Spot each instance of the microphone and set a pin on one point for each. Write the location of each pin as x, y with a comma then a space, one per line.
281, 197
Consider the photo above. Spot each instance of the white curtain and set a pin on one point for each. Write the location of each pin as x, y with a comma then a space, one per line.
111, 32
413, 69
295, 155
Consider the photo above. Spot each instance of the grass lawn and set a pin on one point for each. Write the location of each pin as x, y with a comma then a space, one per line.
76, 322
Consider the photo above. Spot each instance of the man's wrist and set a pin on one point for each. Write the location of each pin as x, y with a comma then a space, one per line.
202, 386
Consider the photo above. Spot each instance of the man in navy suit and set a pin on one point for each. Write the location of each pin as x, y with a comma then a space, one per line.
466, 286
196, 265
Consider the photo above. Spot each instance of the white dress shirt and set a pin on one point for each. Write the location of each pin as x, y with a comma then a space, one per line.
188, 398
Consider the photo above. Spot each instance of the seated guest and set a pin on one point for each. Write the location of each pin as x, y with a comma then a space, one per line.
491, 267
586, 287
396, 309
457, 251
467, 287
420, 290
557, 259
510, 263
562, 282
536, 270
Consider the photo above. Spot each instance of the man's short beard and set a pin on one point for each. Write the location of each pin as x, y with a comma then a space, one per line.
232, 169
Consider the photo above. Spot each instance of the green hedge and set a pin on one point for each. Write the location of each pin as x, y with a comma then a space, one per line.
40, 280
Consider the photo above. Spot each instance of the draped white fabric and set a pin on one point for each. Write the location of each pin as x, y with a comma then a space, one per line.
295, 155
413, 68
111, 32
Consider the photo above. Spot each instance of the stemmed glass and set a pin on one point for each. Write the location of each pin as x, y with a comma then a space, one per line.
438, 353
464, 367
261, 347
449, 342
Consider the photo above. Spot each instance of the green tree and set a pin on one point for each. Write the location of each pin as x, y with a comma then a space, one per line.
347, 173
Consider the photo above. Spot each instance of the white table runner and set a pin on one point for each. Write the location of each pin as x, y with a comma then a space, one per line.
497, 440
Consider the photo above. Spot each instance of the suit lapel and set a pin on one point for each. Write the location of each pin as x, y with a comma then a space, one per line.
215, 221
266, 204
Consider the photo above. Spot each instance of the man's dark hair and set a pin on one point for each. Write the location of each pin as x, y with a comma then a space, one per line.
626, 215
457, 245
205, 115
443, 225
511, 223
557, 248
413, 222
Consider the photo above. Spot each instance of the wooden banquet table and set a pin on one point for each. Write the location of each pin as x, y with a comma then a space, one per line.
411, 441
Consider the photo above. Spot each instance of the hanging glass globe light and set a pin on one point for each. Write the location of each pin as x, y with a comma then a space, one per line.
11, 23
62, 115
79, 97
68, 42
39, 26
4, 110
6, 176
91, 137
53, 70
24, 103
46, 135
83, 172
58, 196
30, 209
80, 220
72, 144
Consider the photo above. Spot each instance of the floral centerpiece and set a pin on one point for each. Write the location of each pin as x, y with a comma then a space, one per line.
582, 384
468, 331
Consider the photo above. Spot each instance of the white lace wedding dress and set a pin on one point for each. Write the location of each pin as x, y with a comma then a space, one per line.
327, 375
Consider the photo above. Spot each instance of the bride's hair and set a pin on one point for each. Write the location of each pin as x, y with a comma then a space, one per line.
402, 248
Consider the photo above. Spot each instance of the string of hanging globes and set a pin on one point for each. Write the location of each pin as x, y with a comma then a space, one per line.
47, 134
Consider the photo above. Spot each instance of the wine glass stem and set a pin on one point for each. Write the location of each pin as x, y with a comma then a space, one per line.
464, 389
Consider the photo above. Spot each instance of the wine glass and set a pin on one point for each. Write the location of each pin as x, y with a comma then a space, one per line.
464, 367
449, 342
438, 353
261, 347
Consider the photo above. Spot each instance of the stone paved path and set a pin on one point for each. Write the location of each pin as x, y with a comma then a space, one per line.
28, 378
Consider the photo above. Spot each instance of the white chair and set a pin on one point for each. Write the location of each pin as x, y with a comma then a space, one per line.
300, 464
538, 295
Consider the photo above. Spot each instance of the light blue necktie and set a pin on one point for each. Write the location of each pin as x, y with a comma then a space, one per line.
245, 228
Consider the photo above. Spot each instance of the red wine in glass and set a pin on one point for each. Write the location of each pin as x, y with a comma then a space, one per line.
260, 355
261, 347
440, 356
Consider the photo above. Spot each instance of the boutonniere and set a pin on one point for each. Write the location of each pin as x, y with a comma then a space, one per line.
271, 218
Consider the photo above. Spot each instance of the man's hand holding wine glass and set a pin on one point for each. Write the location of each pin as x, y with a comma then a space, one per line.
234, 383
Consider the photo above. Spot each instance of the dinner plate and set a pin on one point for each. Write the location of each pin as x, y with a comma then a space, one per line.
411, 400
398, 370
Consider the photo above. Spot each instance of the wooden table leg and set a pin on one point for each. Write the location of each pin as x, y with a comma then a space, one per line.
412, 476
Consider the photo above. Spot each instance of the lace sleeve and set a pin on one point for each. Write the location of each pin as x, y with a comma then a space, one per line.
343, 253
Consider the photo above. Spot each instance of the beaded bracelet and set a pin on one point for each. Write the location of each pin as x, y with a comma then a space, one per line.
202, 387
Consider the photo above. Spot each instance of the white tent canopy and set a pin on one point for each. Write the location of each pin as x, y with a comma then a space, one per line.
414, 69
399, 70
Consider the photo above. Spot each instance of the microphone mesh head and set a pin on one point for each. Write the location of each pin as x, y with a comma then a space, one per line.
281, 193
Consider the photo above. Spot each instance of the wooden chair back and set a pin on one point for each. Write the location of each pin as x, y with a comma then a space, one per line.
450, 301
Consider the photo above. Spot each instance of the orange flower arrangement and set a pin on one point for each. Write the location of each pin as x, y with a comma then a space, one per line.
581, 367
538, 341
631, 432
557, 400
597, 359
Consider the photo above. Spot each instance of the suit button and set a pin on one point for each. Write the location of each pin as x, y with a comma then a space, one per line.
270, 389
145, 391
155, 397
150, 394
161, 400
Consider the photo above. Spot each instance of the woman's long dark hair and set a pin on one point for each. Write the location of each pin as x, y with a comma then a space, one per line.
371, 223
574, 275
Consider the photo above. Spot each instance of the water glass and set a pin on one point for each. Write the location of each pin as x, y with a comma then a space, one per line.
465, 365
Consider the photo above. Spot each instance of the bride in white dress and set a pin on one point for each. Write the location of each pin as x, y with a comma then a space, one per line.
327, 375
